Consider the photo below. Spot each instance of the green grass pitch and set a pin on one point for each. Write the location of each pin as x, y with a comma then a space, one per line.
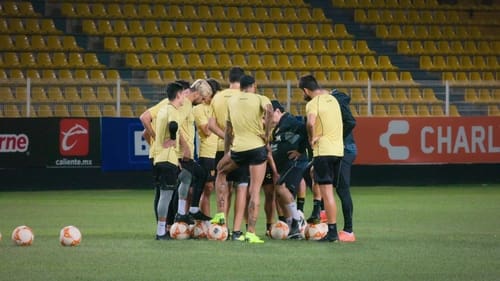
404, 233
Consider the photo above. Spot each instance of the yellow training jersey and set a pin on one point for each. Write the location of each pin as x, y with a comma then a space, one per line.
187, 126
245, 111
166, 115
219, 111
328, 125
154, 112
208, 144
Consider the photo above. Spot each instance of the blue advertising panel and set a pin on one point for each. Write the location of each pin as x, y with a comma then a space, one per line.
123, 147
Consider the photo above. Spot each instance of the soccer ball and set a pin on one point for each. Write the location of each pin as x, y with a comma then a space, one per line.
316, 231
23, 236
180, 231
217, 232
70, 236
280, 230
200, 229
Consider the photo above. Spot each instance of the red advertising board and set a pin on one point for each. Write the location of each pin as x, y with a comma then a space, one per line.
430, 140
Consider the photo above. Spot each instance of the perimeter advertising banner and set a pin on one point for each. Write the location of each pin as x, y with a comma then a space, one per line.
123, 147
431, 140
50, 142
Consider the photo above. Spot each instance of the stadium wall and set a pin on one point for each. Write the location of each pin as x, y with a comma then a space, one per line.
94, 153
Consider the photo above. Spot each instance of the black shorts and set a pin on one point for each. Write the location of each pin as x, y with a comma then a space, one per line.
250, 157
195, 169
167, 175
240, 175
218, 157
293, 176
268, 178
209, 165
326, 169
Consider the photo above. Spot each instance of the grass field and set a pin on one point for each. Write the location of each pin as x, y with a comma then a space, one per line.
404, 233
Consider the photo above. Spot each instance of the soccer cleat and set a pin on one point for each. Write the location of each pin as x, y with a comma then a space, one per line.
345, 236
252, 238
219, 218
166, 236
323, 217
329, 238
183, 218
294, 230
199, 216
238, 236
314, 219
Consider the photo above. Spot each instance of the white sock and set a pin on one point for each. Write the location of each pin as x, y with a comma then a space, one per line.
292, 207
193, 210
181, 209
160, 230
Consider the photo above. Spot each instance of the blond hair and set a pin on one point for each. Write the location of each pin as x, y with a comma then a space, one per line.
202, 87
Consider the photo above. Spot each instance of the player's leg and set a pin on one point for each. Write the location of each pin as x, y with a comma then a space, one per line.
344, 193
199, 179
209, 165
167, 179
287, 193
225, 165
185, 178
324, 175
269, 199
240, 204
156, 184
301, 195
315, 214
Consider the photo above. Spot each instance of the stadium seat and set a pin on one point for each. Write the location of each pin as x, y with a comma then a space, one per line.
76, 110
109, 110
44, 110
93, 110
71, 94
61, 110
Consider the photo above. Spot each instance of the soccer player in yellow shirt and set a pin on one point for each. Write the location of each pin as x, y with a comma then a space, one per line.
324, 128
245, 143
165, 147
208, 144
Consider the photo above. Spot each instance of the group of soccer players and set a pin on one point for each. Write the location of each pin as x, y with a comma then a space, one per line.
243, 139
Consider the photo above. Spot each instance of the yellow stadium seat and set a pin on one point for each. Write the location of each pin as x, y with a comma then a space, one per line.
426, 63
357, 95
415, 95
348, 47
341, 62
71, 94
135, 94
276, 46
81, 74
61, 110
93, 110
379, 110
150, 28
475, 76
194, 61
430, 47
103, 94
479, 63
65, 74
44, 110
154, 76
393, 110
409, 110
87, 94
27, 60
466, 63
239, 59
423, 110
349, 76
454, 111
11, 110
452, 63
21, 42
16, 74
33, 74
90, 60
135, 27
268, 61
38, 94
484, 96
217, 74
126, 111
400, 95
76, 60
54, 94
355, 62
109, 110
333, 46
44, 60
129, 11
290, 46
493, 110
363, 76
141, 44
76, 110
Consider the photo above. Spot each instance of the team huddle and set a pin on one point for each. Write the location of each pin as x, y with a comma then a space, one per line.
246, 143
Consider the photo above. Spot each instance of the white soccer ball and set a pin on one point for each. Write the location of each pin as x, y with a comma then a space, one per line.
70, 236
316, 231
280, 230
200, 229
23, 236
180, 231
217, 232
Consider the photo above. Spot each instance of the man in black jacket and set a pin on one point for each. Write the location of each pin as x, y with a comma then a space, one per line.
344, 181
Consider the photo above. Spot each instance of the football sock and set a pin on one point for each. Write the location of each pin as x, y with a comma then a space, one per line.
292, 207
268, 226
322, 204
181, 209
289, 221
332, 229
194, 210
164, 202
160, 230
316, 207
300, 203
282, 218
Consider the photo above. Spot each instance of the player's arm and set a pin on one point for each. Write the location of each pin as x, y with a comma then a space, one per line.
204, 128
311, 121
212, 126
228, 136
146, 120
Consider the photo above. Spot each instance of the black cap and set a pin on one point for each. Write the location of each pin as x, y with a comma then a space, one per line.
246, 81
277, 105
